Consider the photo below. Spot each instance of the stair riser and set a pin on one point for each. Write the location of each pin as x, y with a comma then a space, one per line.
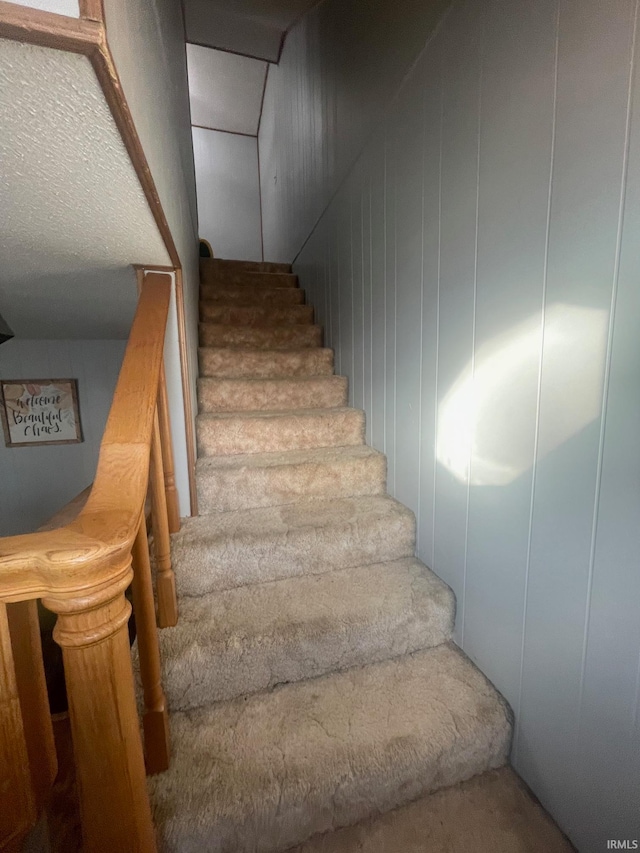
227, 563
256, 315
277, 337
240, 434
243, 266
225, 490
239, 278
271, 395
334, 625
263, 365
248, 295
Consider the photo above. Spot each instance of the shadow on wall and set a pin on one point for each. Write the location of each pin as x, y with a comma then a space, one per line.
484, 422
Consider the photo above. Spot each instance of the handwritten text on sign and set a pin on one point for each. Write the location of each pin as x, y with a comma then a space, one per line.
41, 411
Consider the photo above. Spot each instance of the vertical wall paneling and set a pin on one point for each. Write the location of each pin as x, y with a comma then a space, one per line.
611, 679
344, 284
431, 107
378, 265
390, 168
367, 293
517, 99
478, 273
461, 90
409, 235
593, 56
356, 390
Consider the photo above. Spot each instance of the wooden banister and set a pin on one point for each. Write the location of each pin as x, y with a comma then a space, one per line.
81, 572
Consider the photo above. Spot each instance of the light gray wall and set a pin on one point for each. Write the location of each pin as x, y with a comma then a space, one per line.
478, 275
38, 481
60, 7
147, 40
228, 193
339, 68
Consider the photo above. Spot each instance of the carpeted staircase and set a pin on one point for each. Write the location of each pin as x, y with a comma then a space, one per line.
311, 679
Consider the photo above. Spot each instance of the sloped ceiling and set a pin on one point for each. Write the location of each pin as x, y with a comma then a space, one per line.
225, 90
73, 217
251, 27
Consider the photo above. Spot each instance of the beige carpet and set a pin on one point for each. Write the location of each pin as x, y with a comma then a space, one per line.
492, 813
311, 681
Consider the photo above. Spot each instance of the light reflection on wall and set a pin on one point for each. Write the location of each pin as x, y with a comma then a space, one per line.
486, 422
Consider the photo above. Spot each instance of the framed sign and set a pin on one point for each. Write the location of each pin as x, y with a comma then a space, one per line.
40, 411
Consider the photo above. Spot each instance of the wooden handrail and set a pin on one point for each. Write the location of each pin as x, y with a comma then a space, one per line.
81, 572
81, 556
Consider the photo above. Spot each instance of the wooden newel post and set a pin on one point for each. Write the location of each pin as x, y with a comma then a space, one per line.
114, 803
165, 580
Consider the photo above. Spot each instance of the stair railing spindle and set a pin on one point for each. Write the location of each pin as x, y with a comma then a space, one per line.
155, 720
165, 580
166, 442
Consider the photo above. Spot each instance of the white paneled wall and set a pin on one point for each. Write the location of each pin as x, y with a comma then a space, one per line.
478, 274
228, 193
38, 481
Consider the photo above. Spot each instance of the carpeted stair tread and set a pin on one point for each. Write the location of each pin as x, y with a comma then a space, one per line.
256, 315
277, 394
494, 812
261, 337
230, 549
230, 264
248, 639
228, 362
266, 772
252, 278
272, 432
228, 483
248, 295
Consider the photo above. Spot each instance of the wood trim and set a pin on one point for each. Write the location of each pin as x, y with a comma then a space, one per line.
92, 10
221, 130
46, 29
187, 395
233, 52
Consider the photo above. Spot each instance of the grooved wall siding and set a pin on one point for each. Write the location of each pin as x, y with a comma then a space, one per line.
38, 481
478, 274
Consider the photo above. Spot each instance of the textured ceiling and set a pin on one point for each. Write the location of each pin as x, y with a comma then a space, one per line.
250, 27
225, 90
73, 216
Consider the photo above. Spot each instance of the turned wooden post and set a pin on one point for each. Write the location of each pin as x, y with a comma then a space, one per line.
155, 721
17, 797
24, 629
166, 441
114, 803
165, 580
